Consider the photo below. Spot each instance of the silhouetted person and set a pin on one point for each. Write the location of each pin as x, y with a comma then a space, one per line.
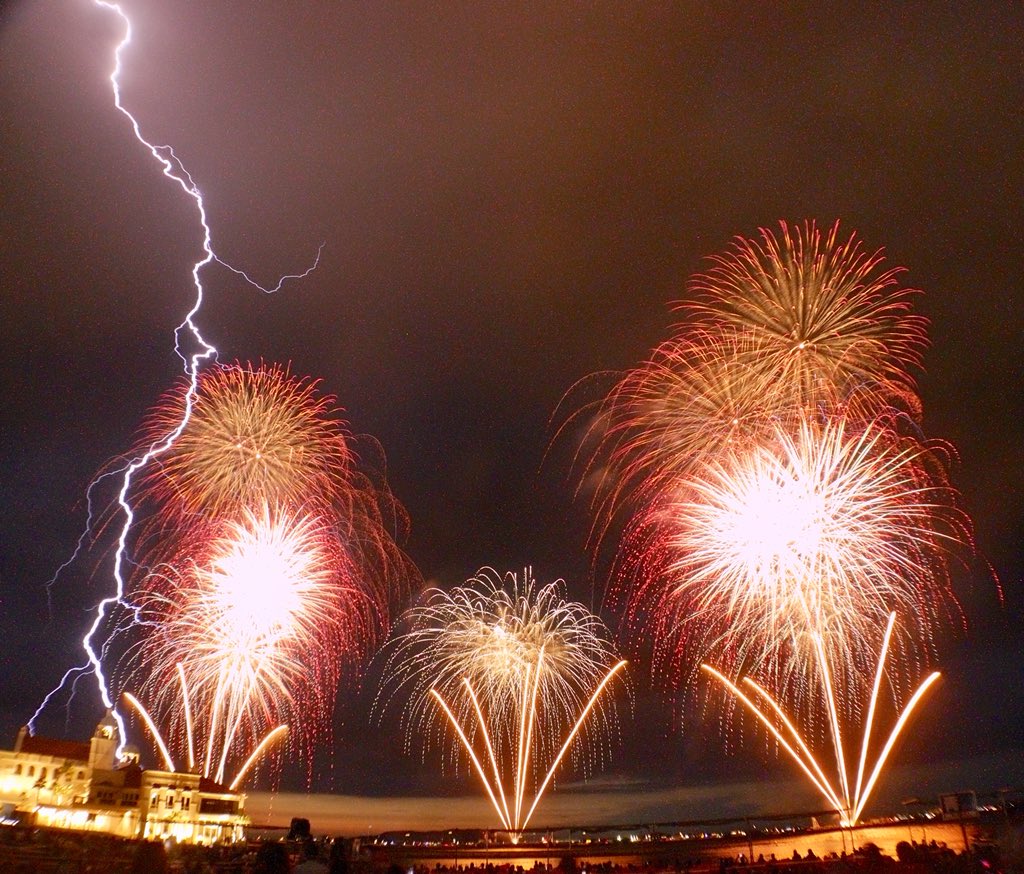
310, 863
338, 861
299, 830
150, 858
271, 859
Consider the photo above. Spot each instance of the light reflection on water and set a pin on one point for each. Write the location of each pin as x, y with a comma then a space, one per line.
666, 854
528, 863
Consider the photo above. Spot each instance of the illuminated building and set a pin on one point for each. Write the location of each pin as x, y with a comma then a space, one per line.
69, 784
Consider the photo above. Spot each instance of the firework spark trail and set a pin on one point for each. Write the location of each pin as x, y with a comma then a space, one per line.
848, 804
268, 740
516, 672
174, 170
516, 823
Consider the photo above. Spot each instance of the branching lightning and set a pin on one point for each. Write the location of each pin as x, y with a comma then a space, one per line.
173, 169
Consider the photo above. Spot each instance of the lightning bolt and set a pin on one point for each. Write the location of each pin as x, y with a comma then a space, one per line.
175, 170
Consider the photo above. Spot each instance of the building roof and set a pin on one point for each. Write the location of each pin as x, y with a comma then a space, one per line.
52, 746
214, 788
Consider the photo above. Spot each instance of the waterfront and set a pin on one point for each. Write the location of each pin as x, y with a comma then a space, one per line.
26, 850
668, 854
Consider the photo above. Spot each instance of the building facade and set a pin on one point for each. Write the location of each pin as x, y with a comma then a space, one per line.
67, 784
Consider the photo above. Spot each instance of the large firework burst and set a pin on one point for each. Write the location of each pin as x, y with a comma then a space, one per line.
255, 435
777, 500
246, 630
823, 317
267, 563
516, 672
781, 328
820, 530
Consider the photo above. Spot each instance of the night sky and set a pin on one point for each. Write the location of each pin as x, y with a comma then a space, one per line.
511, 198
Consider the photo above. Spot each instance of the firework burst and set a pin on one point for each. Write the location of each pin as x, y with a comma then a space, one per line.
777, 500
782, 328
695, 397
256, 435
517, 673
820, 530
247, 630
823, 317
268, 564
